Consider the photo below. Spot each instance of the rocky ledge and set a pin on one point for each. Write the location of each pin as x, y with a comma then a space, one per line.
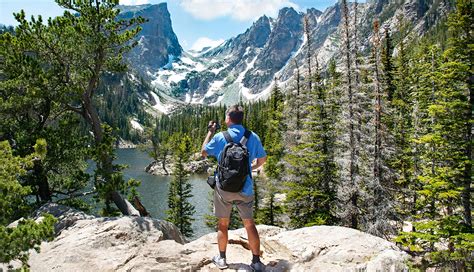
196, 165
86, 243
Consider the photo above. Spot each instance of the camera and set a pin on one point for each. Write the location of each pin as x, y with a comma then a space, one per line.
211, 180
218, 126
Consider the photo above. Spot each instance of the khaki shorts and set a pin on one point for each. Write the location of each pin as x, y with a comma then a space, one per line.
223, 204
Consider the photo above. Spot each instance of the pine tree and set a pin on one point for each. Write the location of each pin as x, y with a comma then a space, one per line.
67, 46
460, 57
268, 212
348, 192
311, 163
387, 64
381, 210
30, 109
180, 210
15, 242
402, 122
442, 99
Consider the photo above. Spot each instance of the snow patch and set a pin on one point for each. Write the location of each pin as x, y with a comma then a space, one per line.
297, 52
188, 98
216, 85
319, 19
196, 65
247, 51
136, 125
159, 106
176, 77
217, 70
187, 61
244, 90
196, 99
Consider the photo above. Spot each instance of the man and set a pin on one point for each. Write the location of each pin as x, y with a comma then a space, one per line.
223, 200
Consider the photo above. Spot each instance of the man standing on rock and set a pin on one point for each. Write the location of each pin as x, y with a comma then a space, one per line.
226, 193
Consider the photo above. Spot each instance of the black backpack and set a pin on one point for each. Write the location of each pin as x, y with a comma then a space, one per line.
233, 167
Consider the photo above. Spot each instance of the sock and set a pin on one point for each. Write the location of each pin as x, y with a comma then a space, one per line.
255, 258
222, 254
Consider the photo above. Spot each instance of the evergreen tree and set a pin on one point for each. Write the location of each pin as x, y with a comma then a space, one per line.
443, 102
311, 186
460, 62
381, 210
402, 122
180, 210
387, 64
77, 51
273, 167
15, 242
348, 192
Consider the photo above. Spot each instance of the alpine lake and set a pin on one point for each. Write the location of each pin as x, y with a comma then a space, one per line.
153, 190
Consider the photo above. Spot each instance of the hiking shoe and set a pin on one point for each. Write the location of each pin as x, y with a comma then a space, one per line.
219, 262
258, 266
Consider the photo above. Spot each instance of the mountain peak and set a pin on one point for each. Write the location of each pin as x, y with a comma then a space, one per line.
262, 20
287, 11
157, 39
314, 11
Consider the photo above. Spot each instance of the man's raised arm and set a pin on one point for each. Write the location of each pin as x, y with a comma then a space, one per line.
212, 130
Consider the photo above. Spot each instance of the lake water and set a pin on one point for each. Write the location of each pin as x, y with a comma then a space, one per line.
154, 189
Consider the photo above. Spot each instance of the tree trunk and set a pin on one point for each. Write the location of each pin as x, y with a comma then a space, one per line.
352, 145
44, 191
163, 161
467, 179
308, 52
137, 203
91, 115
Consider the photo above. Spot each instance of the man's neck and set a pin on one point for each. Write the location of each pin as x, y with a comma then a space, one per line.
234, 125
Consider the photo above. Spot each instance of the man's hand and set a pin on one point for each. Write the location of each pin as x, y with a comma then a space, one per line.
212, 126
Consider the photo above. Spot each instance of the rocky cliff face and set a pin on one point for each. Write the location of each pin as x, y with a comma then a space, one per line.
158, 43
87, 243
284, 40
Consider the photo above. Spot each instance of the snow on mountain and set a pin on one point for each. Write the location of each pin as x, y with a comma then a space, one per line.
244, 90
159, 106
245, 66
136, 125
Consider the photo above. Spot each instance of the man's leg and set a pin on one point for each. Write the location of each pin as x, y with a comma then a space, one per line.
222, 211
252, 233
222, 233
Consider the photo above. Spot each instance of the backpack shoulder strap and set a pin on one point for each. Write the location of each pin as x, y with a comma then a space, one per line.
227, 137
246, 136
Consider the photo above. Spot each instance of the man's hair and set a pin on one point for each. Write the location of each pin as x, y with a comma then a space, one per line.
236, 114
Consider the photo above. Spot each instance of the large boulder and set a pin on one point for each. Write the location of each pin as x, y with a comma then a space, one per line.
146, 244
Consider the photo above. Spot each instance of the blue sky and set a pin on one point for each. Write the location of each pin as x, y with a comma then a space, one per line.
197, 23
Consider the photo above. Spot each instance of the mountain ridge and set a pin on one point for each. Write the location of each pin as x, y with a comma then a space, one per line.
244, 67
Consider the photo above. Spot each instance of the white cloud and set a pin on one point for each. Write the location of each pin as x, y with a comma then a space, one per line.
242, 10
202, 42
133, 2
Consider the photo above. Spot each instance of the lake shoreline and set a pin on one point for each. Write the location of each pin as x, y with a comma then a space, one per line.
153, 189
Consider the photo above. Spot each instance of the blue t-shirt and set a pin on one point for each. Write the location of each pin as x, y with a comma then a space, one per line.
254, 146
